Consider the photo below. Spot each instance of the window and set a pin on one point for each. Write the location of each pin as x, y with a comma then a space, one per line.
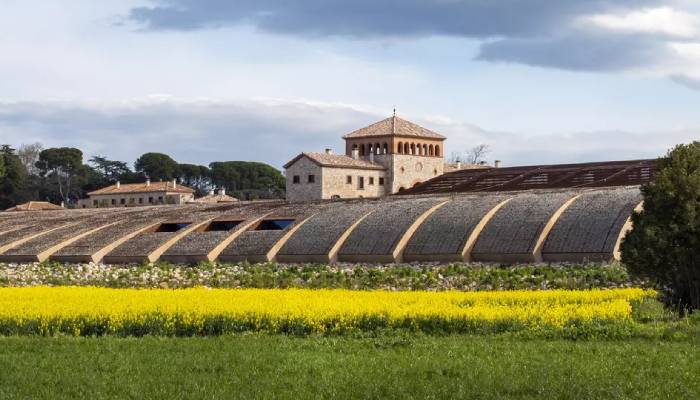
160, 199
171, 226
114, 202
274, 224
94, 203
221, 226
381, 181
311, 178
295, 179
361, 183
140, 200
371, 180
122, 201
150, 200
348, 180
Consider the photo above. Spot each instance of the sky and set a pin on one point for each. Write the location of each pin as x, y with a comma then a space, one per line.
539, 81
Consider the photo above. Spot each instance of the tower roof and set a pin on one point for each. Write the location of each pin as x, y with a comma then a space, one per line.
394, 126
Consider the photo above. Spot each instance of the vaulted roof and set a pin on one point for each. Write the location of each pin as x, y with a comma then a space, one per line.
335, 161
394, 126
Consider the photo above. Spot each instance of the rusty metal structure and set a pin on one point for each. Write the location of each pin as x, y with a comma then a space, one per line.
585, 175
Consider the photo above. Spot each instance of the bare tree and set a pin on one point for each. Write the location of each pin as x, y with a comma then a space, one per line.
29, 154
477, 153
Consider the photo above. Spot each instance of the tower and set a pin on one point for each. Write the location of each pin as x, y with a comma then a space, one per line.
410, 153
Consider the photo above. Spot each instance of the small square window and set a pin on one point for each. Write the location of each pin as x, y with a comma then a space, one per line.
371, 180
140, 200
295, 179
381, 181
348, 179
122, 201
312, 178
160, 199
150, 200
114, 202
94, 203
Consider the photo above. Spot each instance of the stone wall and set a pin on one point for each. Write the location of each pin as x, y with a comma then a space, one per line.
135, 199
335, 183
304, 191
405, 171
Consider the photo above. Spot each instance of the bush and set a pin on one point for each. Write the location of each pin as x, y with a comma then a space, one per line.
664, 245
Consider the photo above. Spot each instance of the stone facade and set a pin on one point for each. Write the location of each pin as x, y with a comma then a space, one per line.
381, 159
138, 194
308, 181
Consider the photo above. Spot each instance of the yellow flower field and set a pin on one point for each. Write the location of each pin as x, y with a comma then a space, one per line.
201, 311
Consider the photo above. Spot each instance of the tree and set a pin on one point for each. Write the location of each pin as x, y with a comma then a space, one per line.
195, 176
664, 244
157, 166
248, 180
29, 155
475, 155
61, 166
110, 172
13, 178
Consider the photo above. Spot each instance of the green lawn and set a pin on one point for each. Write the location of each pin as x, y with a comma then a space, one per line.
393, 366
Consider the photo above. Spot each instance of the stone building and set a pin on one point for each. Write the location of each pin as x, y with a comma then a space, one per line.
383, 158
138, 194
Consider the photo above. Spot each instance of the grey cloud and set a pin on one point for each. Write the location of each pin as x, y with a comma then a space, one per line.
274, 132
687, 81
584, 51
192, 131
376, 18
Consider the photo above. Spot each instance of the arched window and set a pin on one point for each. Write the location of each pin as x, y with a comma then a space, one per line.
406, 149
425, 149
362, 149
385, 148
377, 149
413, 149
400, 148
431, 150
437, 151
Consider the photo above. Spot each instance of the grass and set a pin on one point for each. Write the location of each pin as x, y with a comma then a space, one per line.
383, 366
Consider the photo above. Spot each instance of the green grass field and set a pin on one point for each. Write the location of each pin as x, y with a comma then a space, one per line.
391, 366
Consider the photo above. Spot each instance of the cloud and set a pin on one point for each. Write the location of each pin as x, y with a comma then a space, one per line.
375, 18
687, 81
191, 130
581, 35
579, 52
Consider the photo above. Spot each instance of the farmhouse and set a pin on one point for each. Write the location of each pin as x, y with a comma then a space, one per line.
386, 157
138, 194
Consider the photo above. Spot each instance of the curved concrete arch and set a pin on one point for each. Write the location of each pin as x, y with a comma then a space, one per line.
591, 228
513, 234
450, 232
320, 239
626, 228
382, 235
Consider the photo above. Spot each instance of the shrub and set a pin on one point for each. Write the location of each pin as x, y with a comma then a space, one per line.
664, 245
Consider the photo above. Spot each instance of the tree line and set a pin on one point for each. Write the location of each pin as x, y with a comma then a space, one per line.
60, 174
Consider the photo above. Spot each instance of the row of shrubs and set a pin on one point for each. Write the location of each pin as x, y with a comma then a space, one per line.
463, 277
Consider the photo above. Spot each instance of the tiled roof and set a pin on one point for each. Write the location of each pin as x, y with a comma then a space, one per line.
394, 126
337, 161
143, 188
215, 198
35, 206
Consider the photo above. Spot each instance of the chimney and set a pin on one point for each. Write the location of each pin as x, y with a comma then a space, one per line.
118, 184
497, 164
355, 154
174, 183
459, 165
329, 151
148, 182
211, 192
222, 192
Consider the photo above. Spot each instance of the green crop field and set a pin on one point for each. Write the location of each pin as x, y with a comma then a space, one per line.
386, 366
